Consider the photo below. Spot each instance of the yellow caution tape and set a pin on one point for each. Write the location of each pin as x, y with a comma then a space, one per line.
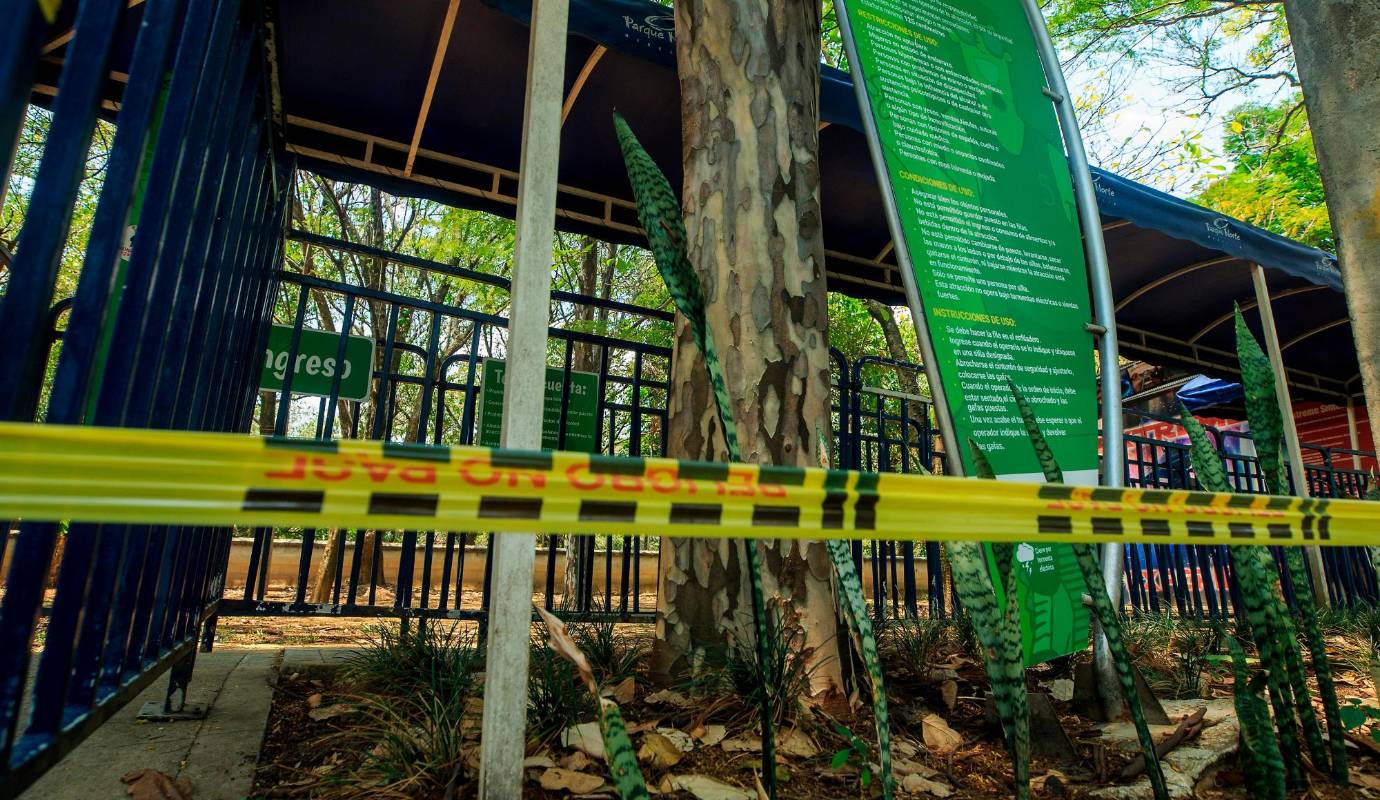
50, 472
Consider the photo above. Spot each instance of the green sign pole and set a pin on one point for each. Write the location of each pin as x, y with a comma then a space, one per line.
987, 233
582, 412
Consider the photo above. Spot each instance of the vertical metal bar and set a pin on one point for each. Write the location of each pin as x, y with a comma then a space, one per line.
126, 169
1312, 554
24, 307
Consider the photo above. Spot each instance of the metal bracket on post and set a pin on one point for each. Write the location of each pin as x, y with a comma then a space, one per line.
179, 677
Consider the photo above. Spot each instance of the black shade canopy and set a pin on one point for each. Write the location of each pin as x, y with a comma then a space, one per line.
350, 85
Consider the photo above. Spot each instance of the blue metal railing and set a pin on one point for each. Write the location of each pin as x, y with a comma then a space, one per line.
167, 338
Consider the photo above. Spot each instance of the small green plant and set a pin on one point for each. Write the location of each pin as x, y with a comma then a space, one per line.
555, 698
785, 678
1356, 715
855, 754
435, 658
912, 645
1196, 648
611, 659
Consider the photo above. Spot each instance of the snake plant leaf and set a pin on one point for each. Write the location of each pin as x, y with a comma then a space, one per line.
1267, 426
661, 218
855, 611
1001, 649
1265, 765
622, 758
1048, 464
50, 9
1107, 615
659, 212
1262, 405
1262, 615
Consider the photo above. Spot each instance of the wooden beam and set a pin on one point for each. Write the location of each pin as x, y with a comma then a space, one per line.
64, 38
580, 80
442, 45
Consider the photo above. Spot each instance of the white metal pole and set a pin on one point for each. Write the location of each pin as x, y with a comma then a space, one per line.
1104, 309
504, 732
1291, 432
1352, 434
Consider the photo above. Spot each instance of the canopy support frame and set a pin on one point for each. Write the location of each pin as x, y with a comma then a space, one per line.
1313, 555
503, 741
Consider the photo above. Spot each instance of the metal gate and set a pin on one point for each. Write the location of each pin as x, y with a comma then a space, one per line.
154, 323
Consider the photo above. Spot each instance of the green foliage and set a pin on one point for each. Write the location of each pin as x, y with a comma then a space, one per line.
1263, 761
1274, 181
854, 754
611, 659
1001, 649
434, 658
850, 591
1107, 615
912, 645
555, 698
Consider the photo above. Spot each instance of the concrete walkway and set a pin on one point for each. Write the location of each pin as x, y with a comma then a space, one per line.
216, 754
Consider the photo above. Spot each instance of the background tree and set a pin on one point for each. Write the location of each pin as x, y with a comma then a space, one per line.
1337, 43
750, 113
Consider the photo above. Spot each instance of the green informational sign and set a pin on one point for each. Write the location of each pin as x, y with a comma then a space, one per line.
582, 415
975, 162
315, 367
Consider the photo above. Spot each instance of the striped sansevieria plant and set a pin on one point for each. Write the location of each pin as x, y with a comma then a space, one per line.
999, 632
1107, 615
1267, 428
1260, 751
1263, 610
661, 218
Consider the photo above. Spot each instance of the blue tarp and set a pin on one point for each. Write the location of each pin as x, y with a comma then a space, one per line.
1205, 392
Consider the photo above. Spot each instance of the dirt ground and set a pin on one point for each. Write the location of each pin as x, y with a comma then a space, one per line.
309, 757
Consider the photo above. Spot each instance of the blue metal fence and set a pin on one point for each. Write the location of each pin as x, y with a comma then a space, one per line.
162, 331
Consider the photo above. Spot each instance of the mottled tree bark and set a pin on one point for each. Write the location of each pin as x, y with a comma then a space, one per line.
1337, 47
749, 74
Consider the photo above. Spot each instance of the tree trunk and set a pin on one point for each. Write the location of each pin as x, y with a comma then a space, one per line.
1337, 48
749, 76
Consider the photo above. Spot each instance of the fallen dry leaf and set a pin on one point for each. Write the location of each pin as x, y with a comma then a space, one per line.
905, 766
539, 761
938, 736
586, 738
792, 742
659, 751
949, 692
1061, 689
558, 639
915, 784
557, 779
667, 697
1365, 781
331, 712
624, 692
576, 761
314, 701
711, 735
761, 790
742, 744
150, 784
704, 787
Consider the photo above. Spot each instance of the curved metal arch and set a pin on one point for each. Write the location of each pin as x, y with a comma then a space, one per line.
1211, 326
581, 80
1320, 329
1175, 275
